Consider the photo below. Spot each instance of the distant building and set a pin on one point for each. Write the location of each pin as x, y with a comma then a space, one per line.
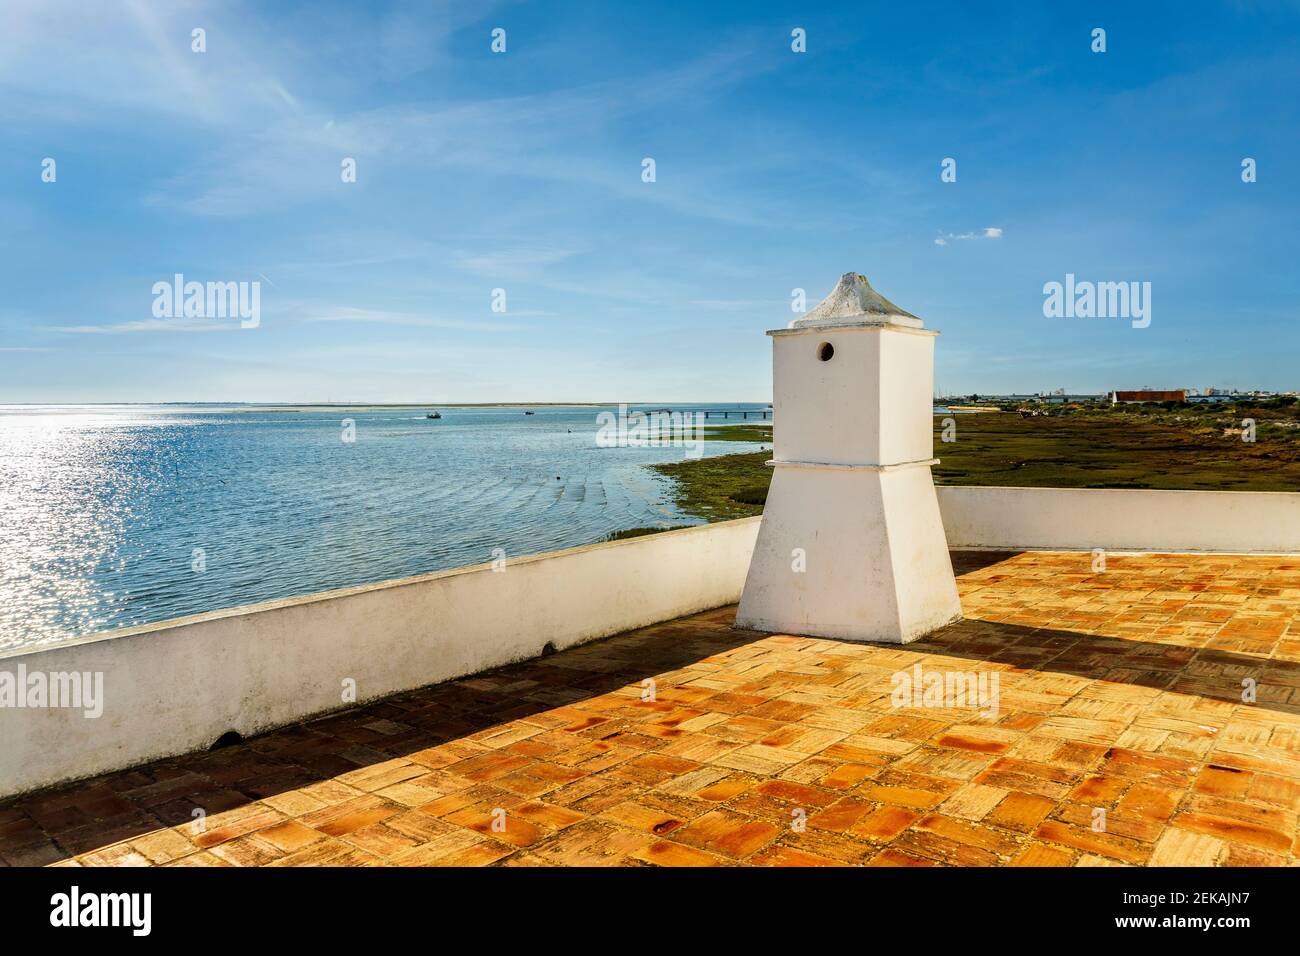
1148, 395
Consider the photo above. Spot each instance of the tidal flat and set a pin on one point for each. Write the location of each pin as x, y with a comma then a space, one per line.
1195, 448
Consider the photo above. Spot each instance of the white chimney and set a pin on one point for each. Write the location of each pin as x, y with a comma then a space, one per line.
851, 543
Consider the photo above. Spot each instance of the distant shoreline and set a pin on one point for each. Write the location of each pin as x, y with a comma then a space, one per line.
333, 406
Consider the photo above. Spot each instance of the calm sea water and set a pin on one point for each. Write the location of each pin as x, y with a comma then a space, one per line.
102, 508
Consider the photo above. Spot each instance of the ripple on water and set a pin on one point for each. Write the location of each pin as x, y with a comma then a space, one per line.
115, 518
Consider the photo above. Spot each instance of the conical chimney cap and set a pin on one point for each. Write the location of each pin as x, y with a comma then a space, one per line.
854, 302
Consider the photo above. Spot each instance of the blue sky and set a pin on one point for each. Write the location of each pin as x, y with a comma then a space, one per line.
522, 171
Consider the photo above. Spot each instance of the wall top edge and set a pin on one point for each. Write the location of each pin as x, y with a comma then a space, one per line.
263, 607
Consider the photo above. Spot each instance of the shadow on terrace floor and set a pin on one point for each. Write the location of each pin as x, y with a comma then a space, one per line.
53, 825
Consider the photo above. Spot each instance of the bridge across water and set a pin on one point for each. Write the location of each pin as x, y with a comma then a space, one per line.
726, 413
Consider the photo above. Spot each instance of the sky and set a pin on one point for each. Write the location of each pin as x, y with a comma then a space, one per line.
523, 171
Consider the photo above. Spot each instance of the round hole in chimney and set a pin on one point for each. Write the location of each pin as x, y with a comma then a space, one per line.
549, 649
230, 738
825, 351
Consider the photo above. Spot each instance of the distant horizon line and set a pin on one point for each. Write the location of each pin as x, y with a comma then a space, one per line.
573, 404
365, 404
548, 404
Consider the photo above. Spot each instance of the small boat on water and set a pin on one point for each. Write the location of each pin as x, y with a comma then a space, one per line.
434, 415
530, 413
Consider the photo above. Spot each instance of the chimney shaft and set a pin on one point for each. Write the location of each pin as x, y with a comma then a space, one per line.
851, 543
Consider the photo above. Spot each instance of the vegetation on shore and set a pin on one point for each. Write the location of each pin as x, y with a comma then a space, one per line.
1197, 447
1176, 445
747, 431
722, 487
753, 432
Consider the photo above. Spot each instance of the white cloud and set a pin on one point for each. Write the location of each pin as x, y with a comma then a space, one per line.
349, 314
511, 264
150, 325
989, 232
293, 157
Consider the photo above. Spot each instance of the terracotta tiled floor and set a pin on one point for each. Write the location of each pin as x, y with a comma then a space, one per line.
1119, 692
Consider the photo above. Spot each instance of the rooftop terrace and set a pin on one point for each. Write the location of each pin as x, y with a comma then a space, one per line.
1119, 690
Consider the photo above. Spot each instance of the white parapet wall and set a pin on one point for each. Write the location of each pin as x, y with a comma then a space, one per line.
175, 687
1083, 519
